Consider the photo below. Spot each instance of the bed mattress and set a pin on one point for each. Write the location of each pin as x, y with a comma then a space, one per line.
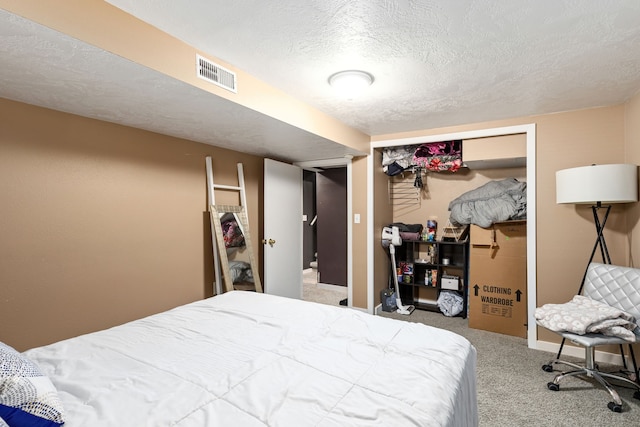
251, 359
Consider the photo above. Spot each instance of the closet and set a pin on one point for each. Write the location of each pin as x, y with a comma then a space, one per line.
484, 159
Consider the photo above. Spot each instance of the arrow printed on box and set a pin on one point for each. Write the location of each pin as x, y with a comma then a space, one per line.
475, 290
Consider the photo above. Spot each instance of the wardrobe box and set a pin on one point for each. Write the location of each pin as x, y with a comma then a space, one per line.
498, 278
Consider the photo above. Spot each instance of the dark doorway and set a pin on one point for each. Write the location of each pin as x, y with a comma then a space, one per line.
331, 225
309, 211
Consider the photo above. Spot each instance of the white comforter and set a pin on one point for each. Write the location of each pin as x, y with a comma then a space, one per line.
248, 359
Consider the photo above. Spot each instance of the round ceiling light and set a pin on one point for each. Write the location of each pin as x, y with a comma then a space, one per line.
350, 83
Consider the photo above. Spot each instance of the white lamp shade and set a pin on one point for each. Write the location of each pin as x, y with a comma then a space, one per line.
617, 183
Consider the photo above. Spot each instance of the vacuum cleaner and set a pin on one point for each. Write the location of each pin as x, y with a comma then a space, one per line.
390, 239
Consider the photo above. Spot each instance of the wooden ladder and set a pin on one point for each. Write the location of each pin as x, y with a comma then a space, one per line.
220, 257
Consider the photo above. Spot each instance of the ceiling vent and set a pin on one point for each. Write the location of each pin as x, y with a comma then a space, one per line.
216, 74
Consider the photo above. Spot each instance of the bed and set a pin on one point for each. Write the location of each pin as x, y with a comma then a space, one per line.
252, 359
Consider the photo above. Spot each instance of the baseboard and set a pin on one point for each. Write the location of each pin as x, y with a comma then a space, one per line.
569, 350
377, 309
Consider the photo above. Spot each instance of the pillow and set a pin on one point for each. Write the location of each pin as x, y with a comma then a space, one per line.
27, 397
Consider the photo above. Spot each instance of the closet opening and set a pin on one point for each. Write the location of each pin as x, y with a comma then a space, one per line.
439, 189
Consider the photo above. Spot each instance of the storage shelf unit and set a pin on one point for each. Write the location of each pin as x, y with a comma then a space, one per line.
424, 264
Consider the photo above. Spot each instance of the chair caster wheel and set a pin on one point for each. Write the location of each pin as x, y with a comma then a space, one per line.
636, 395
614, 407
547, 368
553, 386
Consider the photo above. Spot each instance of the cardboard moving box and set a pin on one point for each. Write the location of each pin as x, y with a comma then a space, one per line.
498, 278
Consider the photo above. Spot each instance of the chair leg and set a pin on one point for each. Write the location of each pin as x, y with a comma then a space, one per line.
624, 359
635, 365
560, 377
619, 378
614, 394
590, 370
549, 366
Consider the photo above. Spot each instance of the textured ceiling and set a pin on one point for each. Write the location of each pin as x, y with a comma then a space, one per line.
436, 63
49, 69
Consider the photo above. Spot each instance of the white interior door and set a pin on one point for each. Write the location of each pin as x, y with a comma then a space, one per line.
282, 229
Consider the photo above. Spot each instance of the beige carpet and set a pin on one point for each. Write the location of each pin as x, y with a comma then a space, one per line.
321, 292
512, 387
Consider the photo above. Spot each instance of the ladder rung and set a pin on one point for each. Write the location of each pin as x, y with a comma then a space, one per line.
227, 187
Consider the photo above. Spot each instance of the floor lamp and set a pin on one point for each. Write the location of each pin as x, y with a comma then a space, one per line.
599, 186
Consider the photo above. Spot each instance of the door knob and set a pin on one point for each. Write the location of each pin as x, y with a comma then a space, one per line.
270, 241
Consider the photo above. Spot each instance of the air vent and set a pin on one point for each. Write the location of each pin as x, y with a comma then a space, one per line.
216, 74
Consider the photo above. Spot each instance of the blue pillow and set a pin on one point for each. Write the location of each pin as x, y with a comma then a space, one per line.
27, 397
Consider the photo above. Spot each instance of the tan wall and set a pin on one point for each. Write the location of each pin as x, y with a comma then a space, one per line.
566, 233
359, 250
632, 154
102, 223
480, 151
75, 188
383, 215
632, 148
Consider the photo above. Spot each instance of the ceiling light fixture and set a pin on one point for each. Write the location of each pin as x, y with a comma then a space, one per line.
350, 83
